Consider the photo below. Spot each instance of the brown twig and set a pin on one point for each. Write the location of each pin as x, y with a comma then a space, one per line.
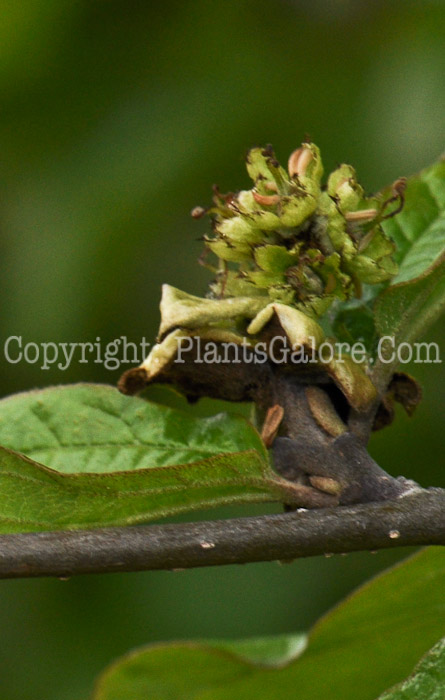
415, 519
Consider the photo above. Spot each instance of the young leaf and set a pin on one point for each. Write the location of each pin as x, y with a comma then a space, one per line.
116, 460
363, 646
427, 681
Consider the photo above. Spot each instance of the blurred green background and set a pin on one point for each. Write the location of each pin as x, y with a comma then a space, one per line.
117, 117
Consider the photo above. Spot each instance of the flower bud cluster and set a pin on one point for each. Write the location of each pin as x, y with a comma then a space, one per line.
293, 241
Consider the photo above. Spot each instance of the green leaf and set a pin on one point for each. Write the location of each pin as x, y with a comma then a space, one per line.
205, 666
118, 460
427, 681
363, 646
416, 296
37, 498
94, 428
407, 309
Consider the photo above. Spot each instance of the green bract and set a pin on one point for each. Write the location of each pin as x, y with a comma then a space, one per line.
289, 240
243, 321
